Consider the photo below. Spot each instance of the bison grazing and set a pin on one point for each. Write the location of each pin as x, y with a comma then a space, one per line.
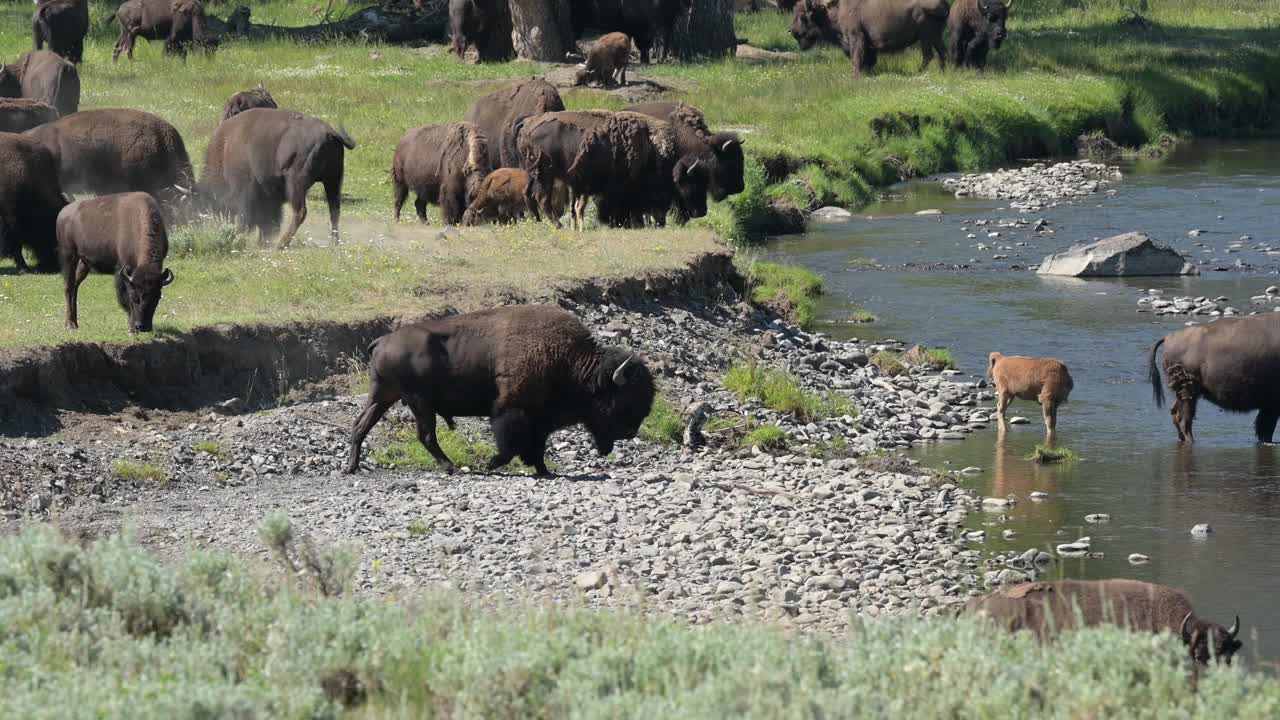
607, 61
118, 150
122, 235
547, 145
258, 97
1047, 608
180, 23
866, 28
530, 369
1233, 363
503, 197
1044, 380
30, 199
499, 112
263, 158
20, 114
643, 20
44, 76
441, 164
976, 27
722, 151
62, 24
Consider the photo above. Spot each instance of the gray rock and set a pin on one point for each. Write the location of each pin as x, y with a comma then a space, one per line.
1138, 559
1202, 529
1128, 255
1097, 518
591, 580
830, 214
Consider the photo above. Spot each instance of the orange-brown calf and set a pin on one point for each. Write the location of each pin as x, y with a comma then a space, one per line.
1042, 379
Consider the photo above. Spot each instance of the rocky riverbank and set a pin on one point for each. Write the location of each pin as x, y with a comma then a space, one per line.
1154, 301
806, 531
1037, 186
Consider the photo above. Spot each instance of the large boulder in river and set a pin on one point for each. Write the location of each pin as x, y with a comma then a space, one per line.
1128, 255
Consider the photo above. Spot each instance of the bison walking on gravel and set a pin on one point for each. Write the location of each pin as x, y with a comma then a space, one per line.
44, 76
722, 151
1049, 608
30, 199
121, 235
530, 369
498, 113
62, 24
1233, 363
258, 97
441, 164
1042, 379
503, 197
180, 23
263, 158
20, 114
866, 28
607, 61
976, 27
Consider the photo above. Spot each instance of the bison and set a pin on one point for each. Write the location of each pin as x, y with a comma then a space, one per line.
722, 151
479, 23
504, 196
180, 23
62, 24
643, 20
547, 145
1048, 608
123, 235
1045, 380
607, 61
258, 97
976, 27
530, 369
118, 150
866, 28
266, 157
44, 76
20, 114
1233, 363
498, 113
30, 199
441, 164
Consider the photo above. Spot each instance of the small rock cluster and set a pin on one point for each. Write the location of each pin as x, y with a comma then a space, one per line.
1038, 186
1153, 301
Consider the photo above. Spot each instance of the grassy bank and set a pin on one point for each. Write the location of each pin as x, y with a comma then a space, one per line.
106, 630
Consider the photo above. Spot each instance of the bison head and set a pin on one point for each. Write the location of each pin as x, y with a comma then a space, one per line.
138, 291
1197, 634
622, 397
992, 15
692, 178
731, 166
811, 24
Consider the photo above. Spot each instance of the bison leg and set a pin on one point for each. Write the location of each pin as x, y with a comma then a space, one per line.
512, 434
1049, 408
425, 416
333, 198
400, 193
420, 206
374, 409
1002, 403
1265, 424
297, 198
74, 271
956, 47
1184, 415
535, 455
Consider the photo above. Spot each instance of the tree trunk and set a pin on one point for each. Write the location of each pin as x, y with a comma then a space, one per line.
708, 32
495, 46
541, 29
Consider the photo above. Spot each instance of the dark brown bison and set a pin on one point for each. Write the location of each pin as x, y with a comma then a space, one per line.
477, 22
44, 76
530, 369
866, 28
263, 158
441, 164
643, 20
1232, 363
121, 235
118, 150
1048, 608
607, 61
179, 23
547, 145
30, 199
62, 24
503, 197
976, 27
721, 151
20, 114
258, 97
498, 113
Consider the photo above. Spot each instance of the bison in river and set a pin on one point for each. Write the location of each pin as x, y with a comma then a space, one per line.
976, 27
62, 24
498, 113
44, 76
1047, 608
866, 28
20, 114
722, 151
121, 235
30, 199
1044, 380
643, 20
263, 158
180, 23
258, 97
530, 369
441, 164
1233, 363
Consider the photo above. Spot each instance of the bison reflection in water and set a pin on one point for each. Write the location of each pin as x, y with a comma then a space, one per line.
530, 369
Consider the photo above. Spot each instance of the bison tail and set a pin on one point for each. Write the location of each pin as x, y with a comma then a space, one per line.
110, 19
1153, 372
373, 345
342, 136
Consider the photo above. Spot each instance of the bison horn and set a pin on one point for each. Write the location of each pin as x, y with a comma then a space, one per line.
620, 378
727, 143
167, 277
1234, 629
1009, 7
689, 171
127, 272
1182, 631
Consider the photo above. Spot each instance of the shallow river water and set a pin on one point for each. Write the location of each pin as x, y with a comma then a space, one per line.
1130, 465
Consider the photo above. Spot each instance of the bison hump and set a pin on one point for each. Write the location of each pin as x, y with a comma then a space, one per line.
1021, 591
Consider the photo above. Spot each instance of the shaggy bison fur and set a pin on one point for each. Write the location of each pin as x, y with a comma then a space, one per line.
263, 158
530, 369
1045, 380
30, 199
258, 97
121, 235
179, 23
62, 24
503, 197
975, 28
499, 112
441, 164
722, 151
866, 28
547, 145
20, 114
44, 76
607, 61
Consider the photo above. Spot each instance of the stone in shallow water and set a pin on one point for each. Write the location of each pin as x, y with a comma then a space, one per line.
1097, 518
1138, 559
830, 214
1018, 420
1127, 255
1202, 529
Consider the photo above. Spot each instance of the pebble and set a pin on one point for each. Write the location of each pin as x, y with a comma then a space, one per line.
1138, 559
1097, 518
591, 580
1018, 420
1202, 529
1038, 496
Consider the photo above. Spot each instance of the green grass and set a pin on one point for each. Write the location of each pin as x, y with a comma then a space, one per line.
766, 437
404, 451
862, 316
889, 363
107, 629
664, 426
781, 391
207, 446
939, 359
419, 528
789, 289
1045, 455
132, 471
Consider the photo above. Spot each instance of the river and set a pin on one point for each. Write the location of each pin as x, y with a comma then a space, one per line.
934, 285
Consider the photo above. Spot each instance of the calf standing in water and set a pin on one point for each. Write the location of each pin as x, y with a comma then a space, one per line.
1043, 379
122, 234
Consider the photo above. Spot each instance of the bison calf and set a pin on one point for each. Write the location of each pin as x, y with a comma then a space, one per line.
607, 61
258, 97
121, 234
441, 164
504, 196
530, 369
1045, 380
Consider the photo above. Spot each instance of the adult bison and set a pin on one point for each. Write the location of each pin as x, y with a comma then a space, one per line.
722, 151
975, 28
62, 24
30, 199
118, 150
45, 76
263, 158
644, 20
547, 145
258, 97
20, 114
1233, 363
498, 113
1051, 607
479, 23
866, 28
179, 23
441, 164
530, 369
